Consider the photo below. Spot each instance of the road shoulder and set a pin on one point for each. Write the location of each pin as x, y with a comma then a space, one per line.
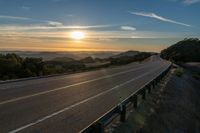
173, 106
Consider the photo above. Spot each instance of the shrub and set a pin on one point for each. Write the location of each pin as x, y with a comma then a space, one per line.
179, 72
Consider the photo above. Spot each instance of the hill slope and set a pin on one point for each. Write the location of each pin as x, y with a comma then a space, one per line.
129, 53
187, 50
63, 59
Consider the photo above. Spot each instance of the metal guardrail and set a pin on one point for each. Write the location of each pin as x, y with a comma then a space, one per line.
120, 109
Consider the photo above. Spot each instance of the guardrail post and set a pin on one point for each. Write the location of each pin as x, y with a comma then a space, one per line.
135, 98
156, 81
98, 128
123, 114
149, 89
154, 84
144, 94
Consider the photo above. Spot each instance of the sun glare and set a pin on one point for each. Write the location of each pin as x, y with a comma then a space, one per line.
77, 35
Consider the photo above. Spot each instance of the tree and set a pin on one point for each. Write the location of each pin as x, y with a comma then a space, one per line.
187, 50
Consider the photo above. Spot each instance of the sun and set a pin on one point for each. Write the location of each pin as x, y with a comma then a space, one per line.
77, 35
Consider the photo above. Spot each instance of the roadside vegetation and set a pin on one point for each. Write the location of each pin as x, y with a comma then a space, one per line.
196, 75
179, 72
128, 59
187, 50
12, 66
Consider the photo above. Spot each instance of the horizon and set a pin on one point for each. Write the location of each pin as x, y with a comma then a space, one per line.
68, 25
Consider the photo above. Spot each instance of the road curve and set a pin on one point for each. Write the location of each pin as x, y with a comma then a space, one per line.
69, 103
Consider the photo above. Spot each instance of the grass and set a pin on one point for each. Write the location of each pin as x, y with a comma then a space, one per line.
196, 75
179, 72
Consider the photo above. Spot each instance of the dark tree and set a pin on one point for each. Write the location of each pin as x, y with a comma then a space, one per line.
187, 50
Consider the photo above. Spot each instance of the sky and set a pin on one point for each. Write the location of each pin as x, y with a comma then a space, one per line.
106, 25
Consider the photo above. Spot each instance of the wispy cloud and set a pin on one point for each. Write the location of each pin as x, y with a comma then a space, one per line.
70, 15
56, 0
54, 23
48, 27
155, 16
128, 28
13, 17
190, 2
90, 35
26, 8
37, 24
48, 22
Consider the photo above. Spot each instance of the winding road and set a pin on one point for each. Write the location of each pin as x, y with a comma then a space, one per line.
69, 103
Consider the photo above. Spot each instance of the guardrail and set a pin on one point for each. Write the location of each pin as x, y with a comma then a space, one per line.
120, 110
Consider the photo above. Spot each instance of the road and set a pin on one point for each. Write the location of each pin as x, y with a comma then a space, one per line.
68, 103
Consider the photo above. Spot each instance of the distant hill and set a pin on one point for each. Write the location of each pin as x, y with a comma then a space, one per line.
126, 54
87, 60
12, 66
77, 55
187, 50
128, 57
63, 59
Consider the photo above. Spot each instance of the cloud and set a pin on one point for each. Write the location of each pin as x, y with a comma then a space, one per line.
93, 35
155, 16
190, 2
56, 0
54, 24
128, 28
26, 8
48, 22
48, 27
70, 15
37, 24
13, 17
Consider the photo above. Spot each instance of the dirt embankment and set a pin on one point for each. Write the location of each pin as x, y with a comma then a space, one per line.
173, 107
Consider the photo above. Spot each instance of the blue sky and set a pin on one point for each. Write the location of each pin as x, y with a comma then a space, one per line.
147, 25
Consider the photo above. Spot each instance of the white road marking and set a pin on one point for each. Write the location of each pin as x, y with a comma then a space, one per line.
76, 104
65, 87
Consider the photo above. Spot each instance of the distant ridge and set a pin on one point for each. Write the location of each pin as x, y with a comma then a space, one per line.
63, 59
77, 55
87, 60
129, 53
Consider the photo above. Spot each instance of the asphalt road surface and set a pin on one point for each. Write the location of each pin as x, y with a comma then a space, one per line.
69, 103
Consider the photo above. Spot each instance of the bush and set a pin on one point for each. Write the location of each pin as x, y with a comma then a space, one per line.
179, 72
196, 75
127, 59
187, 50
13, 66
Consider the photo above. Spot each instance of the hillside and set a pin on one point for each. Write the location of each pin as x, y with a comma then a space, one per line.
77, 55
87, 60
63, 59
187, 50
13, 66
128, 57
129, 53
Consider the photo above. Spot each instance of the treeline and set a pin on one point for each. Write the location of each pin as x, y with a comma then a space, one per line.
187, 50
13, 66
